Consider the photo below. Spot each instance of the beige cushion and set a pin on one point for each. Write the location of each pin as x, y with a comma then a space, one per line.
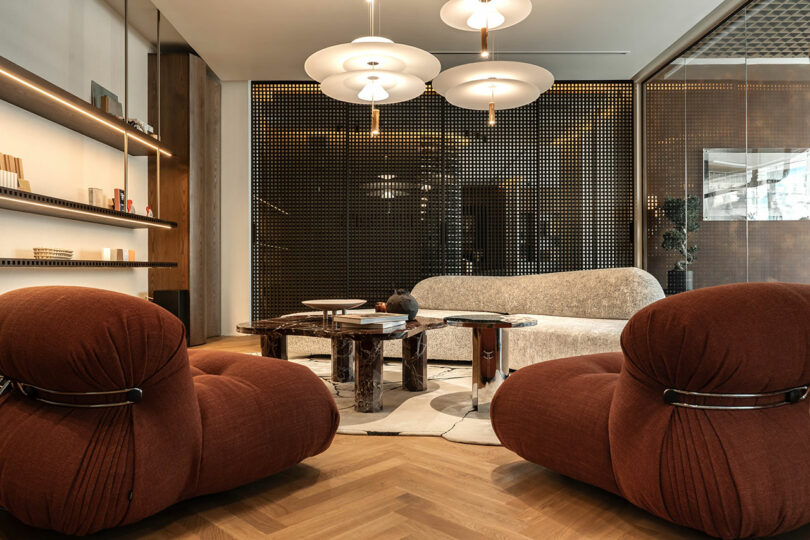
561, 337
612, 293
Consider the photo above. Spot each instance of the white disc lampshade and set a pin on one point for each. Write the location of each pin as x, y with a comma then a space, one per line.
507, 84
473, 15
372, 69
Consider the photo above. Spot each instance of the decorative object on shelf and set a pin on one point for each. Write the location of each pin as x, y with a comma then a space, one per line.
51, 253
9, 179
111, 106
141, 126
493, 85
11, 171
333, 305
95, 197
97, 92
372, 70
402, 302
119, 202
380, 307
130, 207
484, 15
685, 218
149, 211
114, 254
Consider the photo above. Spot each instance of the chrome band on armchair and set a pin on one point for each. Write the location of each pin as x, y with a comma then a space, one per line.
792, 395
130, 396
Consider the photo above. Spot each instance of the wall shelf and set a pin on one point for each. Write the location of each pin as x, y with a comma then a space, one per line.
33, 203
58, 263
22, 88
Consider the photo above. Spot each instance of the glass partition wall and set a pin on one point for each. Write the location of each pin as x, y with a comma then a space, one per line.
727, 133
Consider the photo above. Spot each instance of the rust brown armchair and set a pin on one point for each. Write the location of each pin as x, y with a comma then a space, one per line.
108, 419
702, 420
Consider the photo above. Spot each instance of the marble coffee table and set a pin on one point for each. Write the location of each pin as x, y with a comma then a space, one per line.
490, 361
363, 345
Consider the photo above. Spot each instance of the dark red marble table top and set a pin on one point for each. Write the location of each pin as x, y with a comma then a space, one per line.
313, 326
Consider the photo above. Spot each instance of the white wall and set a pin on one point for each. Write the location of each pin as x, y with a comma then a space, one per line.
235, 205
70, 43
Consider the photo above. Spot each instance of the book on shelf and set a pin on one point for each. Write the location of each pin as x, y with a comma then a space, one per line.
370, 318
119, 200
375, 326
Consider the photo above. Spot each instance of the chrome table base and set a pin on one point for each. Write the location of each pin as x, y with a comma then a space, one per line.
490, 366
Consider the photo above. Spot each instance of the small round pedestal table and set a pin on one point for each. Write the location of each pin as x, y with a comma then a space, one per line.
490, 361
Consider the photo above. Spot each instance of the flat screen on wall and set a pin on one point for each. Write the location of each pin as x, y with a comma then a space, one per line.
764, 184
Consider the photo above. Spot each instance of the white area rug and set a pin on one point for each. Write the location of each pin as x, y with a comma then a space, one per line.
443, 410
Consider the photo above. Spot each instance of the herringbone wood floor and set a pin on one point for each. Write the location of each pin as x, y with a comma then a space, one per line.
400, 487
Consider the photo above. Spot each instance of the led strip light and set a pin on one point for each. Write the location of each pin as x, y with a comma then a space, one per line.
84, 112
85, 212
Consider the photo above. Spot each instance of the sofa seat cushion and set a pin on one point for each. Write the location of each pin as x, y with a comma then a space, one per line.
451, 343
259, 416
560, 337
556, 413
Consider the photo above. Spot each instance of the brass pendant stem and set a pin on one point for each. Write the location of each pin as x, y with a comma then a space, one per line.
375, 122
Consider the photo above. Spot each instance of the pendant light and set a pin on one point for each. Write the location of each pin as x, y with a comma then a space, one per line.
493, 85
484, 15
372, 70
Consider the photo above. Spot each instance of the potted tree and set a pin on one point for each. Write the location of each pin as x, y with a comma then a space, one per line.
685, 218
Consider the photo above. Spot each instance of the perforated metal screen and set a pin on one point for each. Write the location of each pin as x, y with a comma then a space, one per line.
337, 213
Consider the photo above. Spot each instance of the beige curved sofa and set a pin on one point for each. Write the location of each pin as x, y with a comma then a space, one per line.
577, 313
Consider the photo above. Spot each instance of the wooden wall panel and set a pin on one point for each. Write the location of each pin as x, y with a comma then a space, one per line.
170, 245
197, 219
190, 121
213, 168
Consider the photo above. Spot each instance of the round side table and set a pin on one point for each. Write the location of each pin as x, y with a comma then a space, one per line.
490, 362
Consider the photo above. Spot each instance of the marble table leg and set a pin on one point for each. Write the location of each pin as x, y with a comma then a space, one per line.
368, 366
342, 359
274, 345
414, 362
490, 366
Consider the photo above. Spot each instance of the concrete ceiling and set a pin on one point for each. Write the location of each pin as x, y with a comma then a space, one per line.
574, 39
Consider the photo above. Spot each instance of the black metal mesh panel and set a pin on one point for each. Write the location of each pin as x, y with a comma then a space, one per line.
585, 138
492, 191
393, 210
337, 213
299, 197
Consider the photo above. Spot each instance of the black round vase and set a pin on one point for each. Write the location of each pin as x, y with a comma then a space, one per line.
402, 302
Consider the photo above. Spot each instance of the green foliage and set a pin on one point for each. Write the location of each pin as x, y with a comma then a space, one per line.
685, 218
